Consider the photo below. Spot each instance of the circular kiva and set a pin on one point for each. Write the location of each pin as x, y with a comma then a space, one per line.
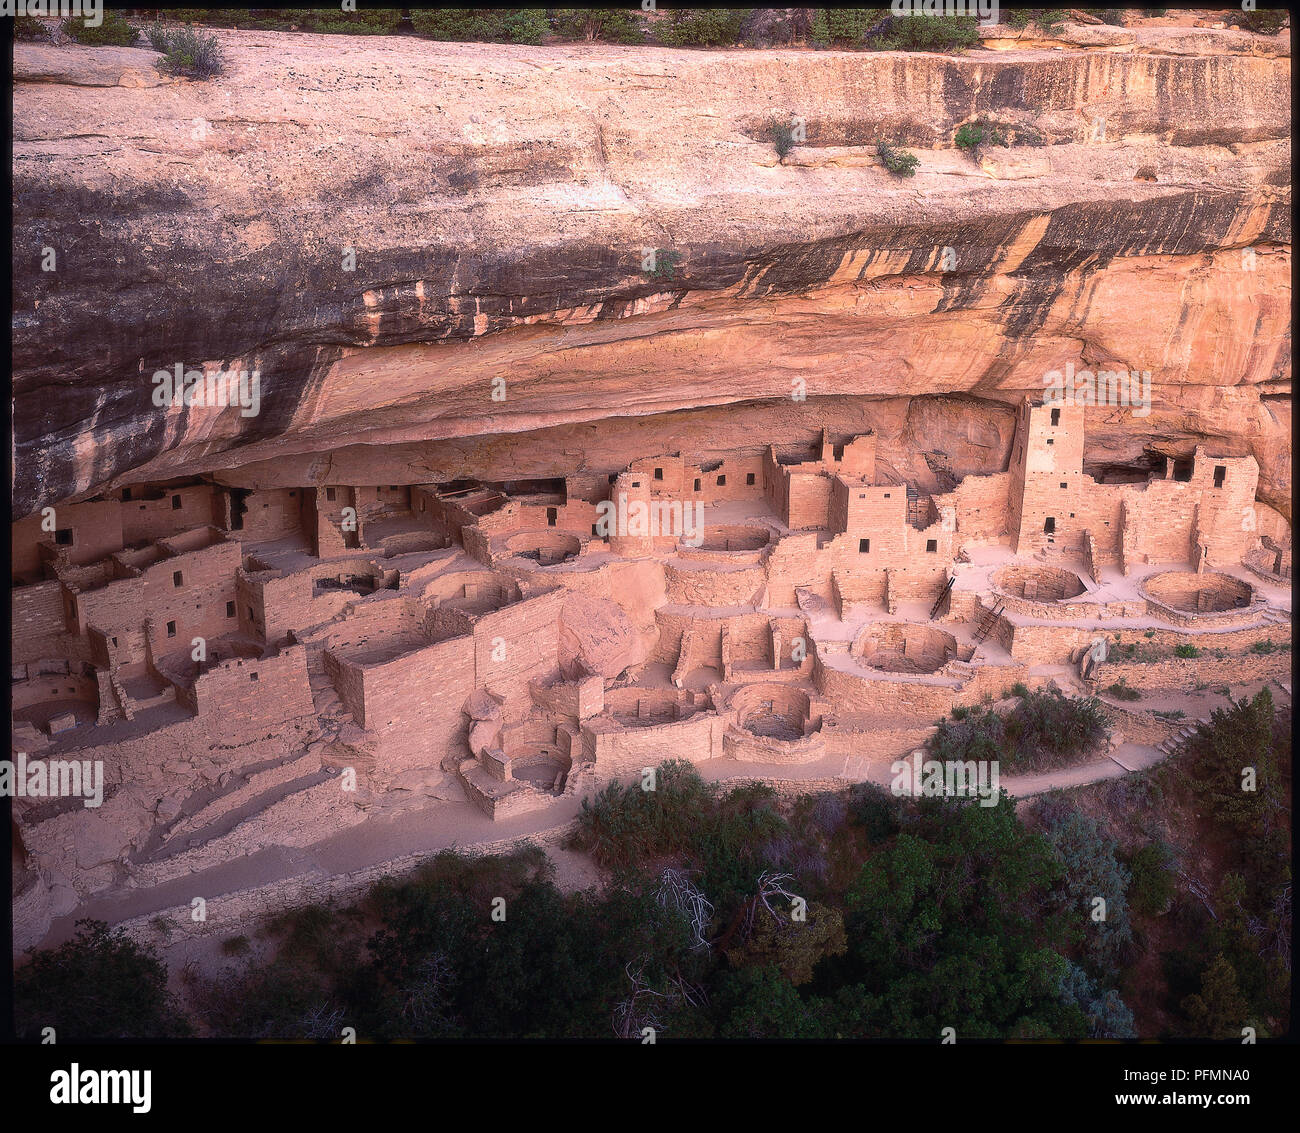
903, 647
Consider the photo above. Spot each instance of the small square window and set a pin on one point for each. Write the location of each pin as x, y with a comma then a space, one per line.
1050, 441
659, 473
329, 493
1064, 484
252, 676
178, 578
749, 478
931, 545
722, 481
176, 503
292, 494
171, 629
864, 545
862, 495
613, 476
230, 609
63, 537
636, 483
886, 495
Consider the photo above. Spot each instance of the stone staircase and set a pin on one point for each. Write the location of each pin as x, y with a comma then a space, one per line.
1178, 741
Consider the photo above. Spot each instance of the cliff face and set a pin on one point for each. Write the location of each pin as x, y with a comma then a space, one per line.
496, 204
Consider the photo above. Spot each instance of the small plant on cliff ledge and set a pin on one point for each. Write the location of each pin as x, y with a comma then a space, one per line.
1186, 651
185, 52
899, 162
970, 136
664, 264
780, 132
1265, 646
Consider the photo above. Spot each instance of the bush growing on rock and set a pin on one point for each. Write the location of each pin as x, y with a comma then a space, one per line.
844, 27
30, 28
114, 31
925, 33
899, 162
367, 21
611, 25
1049, 19
1045, 729
1265, 21
482, 25
780, 132
187, 52
703, 27
970, 136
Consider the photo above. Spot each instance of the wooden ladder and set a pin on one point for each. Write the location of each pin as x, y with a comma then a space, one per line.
987, 622
942, 595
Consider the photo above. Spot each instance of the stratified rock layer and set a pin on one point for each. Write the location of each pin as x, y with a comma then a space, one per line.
498, 203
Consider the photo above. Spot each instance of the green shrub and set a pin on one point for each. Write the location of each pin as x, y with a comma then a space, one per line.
1045, 729
1265, 21
780, 132
702, 27
482, 25
844, 27
899, 162
970, 136
875, 810
98, 985
612, 25
1186, 651
114, 31
666, 261
1265, 646
1114, 16
187, 52
927, 33
30, 28
1120, 690
364, 21
1152, 887
1090, 869
1049, 19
